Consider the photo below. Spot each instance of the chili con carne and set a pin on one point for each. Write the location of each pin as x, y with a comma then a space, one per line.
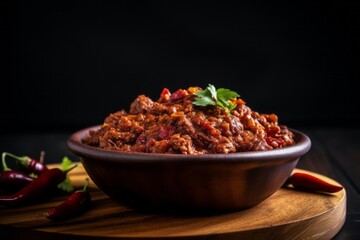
190, 121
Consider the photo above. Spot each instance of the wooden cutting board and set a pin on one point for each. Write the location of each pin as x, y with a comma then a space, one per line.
287, 214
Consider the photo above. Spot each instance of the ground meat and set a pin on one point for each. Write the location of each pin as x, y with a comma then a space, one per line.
142, 104
172, 124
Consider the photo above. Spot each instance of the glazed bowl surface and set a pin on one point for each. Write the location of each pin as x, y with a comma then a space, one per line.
179, 182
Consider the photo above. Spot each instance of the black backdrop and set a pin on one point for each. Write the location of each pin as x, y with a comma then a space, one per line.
68, 65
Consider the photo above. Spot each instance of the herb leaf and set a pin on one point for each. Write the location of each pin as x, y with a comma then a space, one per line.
204, 99
213, 91
66, 186
226, 94
66, 163
216, 97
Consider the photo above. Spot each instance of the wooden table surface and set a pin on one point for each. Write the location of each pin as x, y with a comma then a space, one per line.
288, 214
335, 153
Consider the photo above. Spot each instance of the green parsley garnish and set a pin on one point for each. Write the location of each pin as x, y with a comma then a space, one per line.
66, 163
66, 186
216, 97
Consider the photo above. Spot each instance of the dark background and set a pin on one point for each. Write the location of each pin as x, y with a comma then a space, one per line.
68, 65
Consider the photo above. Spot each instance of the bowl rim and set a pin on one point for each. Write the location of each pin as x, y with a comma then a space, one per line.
75, 145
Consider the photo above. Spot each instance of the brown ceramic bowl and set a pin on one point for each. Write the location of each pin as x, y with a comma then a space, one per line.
210, 182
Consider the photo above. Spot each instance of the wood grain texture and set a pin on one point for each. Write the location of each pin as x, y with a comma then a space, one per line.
287, 214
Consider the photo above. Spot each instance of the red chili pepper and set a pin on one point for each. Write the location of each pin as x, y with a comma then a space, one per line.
179, 94
165, 95
77, 203
307, 182
33, 165
13, 180
166, 131
274, 141
37, 189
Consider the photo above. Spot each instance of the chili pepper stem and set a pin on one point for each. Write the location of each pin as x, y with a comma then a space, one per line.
4, 165
42, 156
86, 184
69, 169
24, 160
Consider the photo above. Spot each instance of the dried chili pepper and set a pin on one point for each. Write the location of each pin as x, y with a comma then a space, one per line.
77, 203
37, 189
13, 180
32, 165
308, 182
